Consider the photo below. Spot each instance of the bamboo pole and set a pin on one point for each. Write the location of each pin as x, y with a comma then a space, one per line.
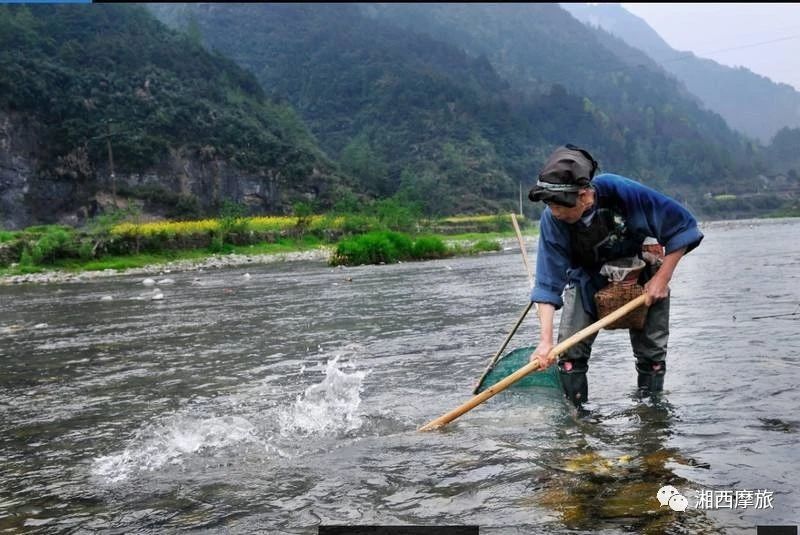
522, 248
533, 366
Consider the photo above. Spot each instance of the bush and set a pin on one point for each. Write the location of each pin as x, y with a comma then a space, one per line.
386, 247
25, 259
356, 224
427, 247
402, 244
482, 246
475, 223
8, 235
304, 214
395, 215
219, 246
232, 218
231, 221
373, 248
54, 243
86, 249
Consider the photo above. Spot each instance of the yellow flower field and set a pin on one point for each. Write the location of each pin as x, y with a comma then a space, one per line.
262, 223
273, 224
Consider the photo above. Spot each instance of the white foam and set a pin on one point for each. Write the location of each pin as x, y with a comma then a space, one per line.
170, 442
326, 408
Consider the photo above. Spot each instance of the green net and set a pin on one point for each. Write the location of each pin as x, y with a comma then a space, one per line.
511, 362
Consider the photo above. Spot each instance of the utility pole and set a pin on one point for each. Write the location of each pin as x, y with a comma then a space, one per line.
111, 165
520, 199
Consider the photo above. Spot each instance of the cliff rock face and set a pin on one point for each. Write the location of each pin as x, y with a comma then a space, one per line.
30, 193
207, 181
76, 189
17, 164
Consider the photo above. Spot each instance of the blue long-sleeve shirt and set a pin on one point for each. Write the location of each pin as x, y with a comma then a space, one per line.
646, 212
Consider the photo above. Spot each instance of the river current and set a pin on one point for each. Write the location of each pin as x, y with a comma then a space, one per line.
277, 398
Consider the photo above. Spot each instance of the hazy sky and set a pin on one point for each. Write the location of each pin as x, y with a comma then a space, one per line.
765, 38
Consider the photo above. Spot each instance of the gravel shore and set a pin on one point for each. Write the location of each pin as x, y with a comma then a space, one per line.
212, 262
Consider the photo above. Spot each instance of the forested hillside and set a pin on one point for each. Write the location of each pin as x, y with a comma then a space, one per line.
451, 106
187, 128
651, 129
751, 103
402, 112
462, 101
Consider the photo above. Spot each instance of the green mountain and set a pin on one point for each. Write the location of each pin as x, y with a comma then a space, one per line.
403, 113
82, 86
750, 103
389, 73
784, 151
462, 101
663, 133
454, 106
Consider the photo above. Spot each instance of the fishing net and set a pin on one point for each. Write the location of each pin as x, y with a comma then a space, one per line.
623, 269
511, 362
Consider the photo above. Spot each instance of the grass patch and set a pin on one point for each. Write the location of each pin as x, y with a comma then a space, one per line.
784, 212
283, 245
477, 247
119, 262
473, 223
123, 262
391, 247
474, 236
484, 246
9, 235
25, 270
379, 247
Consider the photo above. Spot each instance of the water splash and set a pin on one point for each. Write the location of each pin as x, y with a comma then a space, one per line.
170, 442
327, 408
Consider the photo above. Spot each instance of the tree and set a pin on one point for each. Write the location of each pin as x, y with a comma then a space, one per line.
361, 161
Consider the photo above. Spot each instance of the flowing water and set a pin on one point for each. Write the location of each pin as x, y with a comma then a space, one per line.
289, 397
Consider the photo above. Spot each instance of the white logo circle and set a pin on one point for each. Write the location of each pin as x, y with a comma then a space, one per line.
678, 503
665, 493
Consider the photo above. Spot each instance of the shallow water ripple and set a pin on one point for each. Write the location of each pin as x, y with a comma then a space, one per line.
292, 398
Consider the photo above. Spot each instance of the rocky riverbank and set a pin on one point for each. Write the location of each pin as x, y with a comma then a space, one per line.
212, 262
321, 254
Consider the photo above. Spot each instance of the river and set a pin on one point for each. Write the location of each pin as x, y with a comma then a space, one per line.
281, 397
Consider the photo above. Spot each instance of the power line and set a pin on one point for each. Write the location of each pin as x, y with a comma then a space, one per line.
752, 45
637, 51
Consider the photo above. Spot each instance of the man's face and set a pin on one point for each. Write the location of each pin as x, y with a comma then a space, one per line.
572, 214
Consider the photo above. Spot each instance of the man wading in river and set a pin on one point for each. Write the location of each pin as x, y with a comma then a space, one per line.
589, 221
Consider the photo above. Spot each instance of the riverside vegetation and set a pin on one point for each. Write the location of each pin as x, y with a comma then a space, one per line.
384, 232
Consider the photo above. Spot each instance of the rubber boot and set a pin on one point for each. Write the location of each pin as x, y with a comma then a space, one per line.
572, 375
651, 376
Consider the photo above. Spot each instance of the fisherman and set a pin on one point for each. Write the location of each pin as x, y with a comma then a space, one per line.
587, 222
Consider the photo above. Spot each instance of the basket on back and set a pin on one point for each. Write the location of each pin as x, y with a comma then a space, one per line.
622, 288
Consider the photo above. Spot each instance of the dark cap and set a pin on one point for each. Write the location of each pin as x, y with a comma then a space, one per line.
568, 170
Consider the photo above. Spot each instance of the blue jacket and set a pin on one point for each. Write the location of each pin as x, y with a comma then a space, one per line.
646, 212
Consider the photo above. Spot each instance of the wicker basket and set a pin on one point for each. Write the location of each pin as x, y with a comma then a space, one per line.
614, 296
